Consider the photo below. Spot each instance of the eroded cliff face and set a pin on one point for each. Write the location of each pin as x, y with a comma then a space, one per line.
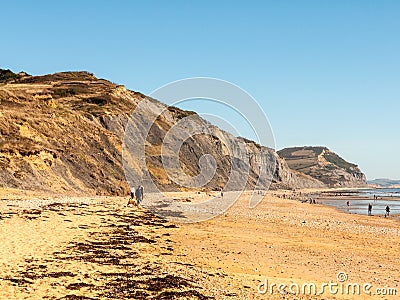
52, 138
324, 165
236, 163
64, 133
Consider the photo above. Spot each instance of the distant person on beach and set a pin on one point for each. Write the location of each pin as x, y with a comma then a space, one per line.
131, 200
139, 194
387, 211
348, 204
369, 209
222, 193
142, 191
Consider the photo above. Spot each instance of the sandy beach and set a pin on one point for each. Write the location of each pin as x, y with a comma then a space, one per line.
95, 247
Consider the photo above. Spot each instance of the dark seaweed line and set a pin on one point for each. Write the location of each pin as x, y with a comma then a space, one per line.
133, 281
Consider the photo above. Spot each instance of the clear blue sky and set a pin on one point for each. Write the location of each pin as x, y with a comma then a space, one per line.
325, 72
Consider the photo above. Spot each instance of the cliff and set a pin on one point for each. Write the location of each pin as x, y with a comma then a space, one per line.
64, 133
324, 165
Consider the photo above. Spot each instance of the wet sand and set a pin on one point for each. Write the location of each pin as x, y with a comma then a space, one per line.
358, 202
97, 248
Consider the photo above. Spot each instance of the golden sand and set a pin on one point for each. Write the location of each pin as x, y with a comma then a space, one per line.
96, 247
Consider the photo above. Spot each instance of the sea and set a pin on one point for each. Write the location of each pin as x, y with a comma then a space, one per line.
360, 206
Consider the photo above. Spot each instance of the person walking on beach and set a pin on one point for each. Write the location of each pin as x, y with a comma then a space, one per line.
387, 211
348, 204
139, 194
131, 200
142, 191
369, 209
